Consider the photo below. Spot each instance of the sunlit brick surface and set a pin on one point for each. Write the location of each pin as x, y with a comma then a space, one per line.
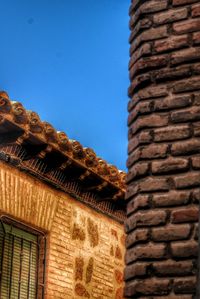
85, 249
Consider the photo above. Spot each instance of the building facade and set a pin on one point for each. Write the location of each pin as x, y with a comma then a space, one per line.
61, 213
164, 145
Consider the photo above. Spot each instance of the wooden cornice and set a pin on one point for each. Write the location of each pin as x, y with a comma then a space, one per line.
52, 154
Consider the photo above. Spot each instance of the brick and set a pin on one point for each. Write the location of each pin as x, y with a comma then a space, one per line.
141, 51
166, 88
186, 55
141, 201
196, 195
171, 133
131, 104
137, 236
138, 81
170, 16
185, 115
170, 165
130, 134
172, 74
187, 85
172, 198
149, 35
154, 184
135, 270
196, 100
134, 5
182, 2
172, 102
191, 179
185, 285
184, 249
140, 108
153, 92
186, 26
56, 214
133, 158
153, 6
145, 252
149, 7
186, 147
196, 232
196, 38
145, 218
196, 162
188, 214
147, 93
141, 25
196, 69
151, 286
149, 121
148, 63
196, 10
172, 268
171, 233
131, 191
143, 137
154, 151
196, 128
136, 171
171, 43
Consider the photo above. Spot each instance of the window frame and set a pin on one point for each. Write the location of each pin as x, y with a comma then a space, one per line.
41, 252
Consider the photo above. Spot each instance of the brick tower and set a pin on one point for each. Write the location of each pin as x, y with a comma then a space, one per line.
164, 150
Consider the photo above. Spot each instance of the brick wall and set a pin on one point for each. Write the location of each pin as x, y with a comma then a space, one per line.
164, 149
85, 248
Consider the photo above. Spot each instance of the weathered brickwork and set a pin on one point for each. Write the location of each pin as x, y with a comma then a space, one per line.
85, 252
164, 149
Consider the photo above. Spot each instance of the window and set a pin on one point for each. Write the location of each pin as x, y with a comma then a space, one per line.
21, 263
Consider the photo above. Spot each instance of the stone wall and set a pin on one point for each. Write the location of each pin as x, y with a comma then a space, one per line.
85, 248
164, 149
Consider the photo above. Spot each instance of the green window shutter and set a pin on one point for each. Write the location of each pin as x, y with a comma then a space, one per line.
2, 233
6, 263
16, 267
18, 263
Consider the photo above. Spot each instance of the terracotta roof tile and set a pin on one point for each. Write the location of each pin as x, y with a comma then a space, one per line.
30, 122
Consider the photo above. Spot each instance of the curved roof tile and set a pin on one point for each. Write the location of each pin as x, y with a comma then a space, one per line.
86, 157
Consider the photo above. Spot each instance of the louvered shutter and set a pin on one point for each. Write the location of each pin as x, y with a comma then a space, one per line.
18, 262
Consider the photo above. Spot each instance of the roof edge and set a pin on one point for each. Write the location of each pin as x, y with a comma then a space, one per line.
31, 126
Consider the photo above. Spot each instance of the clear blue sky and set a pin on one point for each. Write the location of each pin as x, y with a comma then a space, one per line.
67, 60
